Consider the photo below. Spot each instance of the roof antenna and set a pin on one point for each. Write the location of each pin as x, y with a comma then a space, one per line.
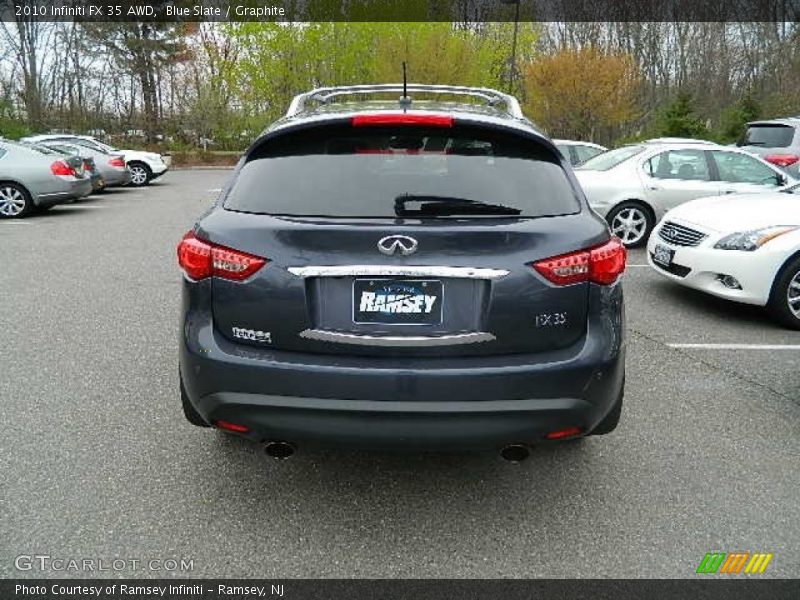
405, 101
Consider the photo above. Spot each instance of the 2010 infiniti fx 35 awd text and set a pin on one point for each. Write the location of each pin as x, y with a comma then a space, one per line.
402, 274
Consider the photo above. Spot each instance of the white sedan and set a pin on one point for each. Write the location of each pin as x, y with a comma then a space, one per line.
633, 186
744, 248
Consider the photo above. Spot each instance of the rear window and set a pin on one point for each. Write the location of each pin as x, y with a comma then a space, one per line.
769, 136
610, 159
344, 171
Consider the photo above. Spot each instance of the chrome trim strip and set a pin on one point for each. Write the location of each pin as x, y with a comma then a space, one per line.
397, 341
400, 270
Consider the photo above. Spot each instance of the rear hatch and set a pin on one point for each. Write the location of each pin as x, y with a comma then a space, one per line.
770, 140
402, 240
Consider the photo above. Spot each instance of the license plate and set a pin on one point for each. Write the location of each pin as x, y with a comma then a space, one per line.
397, 301
663, 255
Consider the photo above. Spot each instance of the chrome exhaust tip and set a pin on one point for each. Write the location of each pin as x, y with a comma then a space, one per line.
515, 453
279, 450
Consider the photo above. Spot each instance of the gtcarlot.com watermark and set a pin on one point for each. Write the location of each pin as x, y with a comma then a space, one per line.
47, 563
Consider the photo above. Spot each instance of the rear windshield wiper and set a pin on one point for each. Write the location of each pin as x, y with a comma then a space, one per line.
449, 205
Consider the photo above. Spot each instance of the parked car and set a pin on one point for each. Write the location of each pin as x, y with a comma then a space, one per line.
89, 166
358, 285
633, 186
744, 248
111, 166
143, 166
31, 180
777, 141
578, 152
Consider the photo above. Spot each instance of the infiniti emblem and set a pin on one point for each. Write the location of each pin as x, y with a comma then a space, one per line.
397, 243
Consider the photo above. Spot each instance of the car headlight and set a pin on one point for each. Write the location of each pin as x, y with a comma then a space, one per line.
752, 240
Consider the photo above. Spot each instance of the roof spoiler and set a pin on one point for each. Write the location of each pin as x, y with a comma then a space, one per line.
322, 96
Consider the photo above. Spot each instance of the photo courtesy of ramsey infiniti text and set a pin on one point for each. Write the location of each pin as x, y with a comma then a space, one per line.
412, 274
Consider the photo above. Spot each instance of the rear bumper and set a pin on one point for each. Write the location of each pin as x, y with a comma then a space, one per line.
73, 189
117, 177
434, 402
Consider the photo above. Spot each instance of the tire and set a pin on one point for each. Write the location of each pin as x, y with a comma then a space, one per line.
189, 411
632, 222
611, 420
784, 299
15, 201
140, 174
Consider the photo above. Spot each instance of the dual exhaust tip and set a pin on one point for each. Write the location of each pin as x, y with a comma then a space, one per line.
279, 450
513, 453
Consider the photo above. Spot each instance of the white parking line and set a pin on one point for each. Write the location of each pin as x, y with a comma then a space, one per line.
215, 190
15, 222
738, 346
637, 266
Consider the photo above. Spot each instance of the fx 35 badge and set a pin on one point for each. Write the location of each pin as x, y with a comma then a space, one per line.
263, 337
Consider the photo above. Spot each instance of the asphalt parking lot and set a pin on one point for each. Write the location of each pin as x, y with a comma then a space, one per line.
97, 461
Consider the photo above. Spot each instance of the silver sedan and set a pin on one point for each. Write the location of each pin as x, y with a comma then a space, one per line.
31, 181
634, 186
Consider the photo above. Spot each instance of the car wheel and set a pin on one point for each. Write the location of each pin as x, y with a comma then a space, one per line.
15, 201
611, 420
140, 174
632, 223
784, 301
189, 411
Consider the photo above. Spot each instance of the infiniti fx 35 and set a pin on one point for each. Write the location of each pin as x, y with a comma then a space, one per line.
384, 274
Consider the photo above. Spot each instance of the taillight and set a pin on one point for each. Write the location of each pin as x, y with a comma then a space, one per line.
563, 433
601, 265
390, 119
235, 427
87, 166
117, 162
61, 168
782, 160
200, 259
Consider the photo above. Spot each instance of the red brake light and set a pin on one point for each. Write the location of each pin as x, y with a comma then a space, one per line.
607, 262
200, 259
231, 426
61, 168
601, 265
379, 120
87, 166
782, 160
117, 161
563, 433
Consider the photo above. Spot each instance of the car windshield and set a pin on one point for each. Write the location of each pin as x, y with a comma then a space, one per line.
408, 172
769, 136
610, 159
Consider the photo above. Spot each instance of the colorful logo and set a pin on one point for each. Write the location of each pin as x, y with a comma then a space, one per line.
734, 562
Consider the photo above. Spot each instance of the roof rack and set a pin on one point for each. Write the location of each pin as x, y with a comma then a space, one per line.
324, 95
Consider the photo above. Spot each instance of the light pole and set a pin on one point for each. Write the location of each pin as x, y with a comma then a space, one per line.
512, 63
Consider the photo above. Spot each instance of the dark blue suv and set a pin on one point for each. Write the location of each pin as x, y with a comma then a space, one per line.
409, 274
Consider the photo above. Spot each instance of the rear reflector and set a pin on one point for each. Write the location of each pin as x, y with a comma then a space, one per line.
62, 169
601, 265
782, 160
231, 426
200, 259
390, 119
563, 433
117, 162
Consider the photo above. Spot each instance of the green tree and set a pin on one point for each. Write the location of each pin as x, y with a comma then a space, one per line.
679, 119
734, 118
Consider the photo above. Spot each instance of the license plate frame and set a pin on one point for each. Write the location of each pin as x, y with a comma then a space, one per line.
663, 255
398, 311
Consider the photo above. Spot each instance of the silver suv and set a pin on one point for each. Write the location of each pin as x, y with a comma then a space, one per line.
776, 141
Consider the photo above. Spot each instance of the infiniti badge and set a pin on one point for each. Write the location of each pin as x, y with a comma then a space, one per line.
397, 243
